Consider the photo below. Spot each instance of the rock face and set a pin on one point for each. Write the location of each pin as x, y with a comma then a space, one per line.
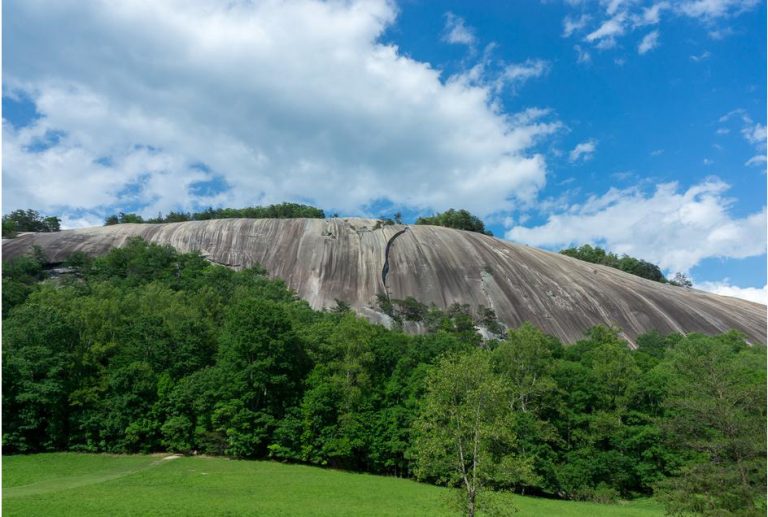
344, 259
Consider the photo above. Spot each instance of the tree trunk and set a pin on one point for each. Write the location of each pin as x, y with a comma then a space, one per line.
471, 504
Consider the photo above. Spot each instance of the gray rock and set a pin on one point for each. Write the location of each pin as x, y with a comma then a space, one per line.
325, 260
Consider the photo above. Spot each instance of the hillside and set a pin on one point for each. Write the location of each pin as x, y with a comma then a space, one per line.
354, 260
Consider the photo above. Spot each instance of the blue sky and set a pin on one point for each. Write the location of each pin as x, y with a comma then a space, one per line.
636, 125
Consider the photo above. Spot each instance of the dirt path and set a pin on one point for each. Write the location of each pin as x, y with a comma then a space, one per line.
58, 484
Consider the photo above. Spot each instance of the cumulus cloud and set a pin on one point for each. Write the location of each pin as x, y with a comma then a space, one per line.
753, 294
583, 151
456, 32
649, 42
675, 229
175, 104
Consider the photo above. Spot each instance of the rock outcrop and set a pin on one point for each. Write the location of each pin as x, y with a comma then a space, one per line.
344, 259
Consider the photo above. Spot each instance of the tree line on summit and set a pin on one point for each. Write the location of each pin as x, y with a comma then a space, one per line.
28, 221
147, 349
631, 265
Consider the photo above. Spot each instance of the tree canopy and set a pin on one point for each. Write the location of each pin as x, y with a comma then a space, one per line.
458, 219
631, 265
28, 221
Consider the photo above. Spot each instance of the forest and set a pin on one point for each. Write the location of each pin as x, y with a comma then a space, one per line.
147, 349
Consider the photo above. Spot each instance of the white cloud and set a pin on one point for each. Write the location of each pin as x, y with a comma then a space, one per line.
605, 36
710, 9
740, 112
754, 133
612, 6
620, 17
701, 57
583, 55
278, 101
673, 229
583, 151
652, 15
720, 33
753, 294
456, 32
518, 73
571, 25
650, 41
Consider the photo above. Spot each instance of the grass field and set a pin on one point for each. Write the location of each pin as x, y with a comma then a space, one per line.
68, 484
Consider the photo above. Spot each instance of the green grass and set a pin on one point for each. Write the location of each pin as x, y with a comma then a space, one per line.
68, 484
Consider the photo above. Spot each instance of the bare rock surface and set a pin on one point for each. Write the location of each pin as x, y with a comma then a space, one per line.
344, 259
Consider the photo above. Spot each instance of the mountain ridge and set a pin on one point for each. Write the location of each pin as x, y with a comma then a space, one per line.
325, 260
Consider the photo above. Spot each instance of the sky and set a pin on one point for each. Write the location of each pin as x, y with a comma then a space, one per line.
638, 126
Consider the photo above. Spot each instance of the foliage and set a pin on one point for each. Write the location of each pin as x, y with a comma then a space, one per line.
631, 265
459, 219
279, 211
123, 218
464, 433
20, 276
716, 410
681, 280
146, 349
28, 221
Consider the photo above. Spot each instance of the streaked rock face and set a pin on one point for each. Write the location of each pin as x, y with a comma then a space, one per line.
326, 260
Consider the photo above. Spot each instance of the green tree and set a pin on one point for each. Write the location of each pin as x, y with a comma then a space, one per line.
19, 277
459, 219
28, 221
716, 414
39, 373
681, 280
336, 408
632, 265
525, 360
463, 434
266, 362
129, 218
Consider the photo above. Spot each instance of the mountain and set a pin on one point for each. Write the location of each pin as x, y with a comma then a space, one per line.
354, 260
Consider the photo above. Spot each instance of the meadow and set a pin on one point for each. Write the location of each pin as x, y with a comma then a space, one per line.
71, 484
